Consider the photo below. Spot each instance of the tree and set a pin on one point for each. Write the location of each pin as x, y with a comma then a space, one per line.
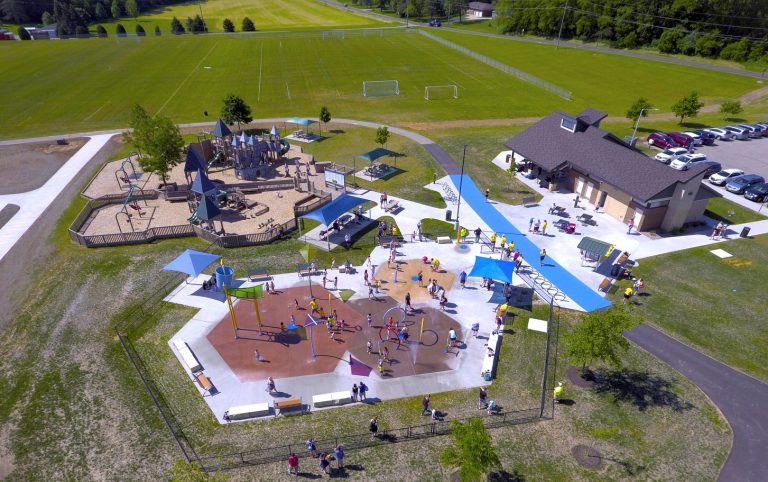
140, 32
325, 115
235, 110
472, 450
115, 9
708, 45
99, 11
132, 8
120, 30
738, 51
382, 135
23, 33
599, 335
228, 26
158, 139
48, 18
140, 122
669, 40
248, 25
512, 170
82, 31
197, 26
688, 106
189, 24
157, 31
640, 107
176, 27
730, 108
101, 31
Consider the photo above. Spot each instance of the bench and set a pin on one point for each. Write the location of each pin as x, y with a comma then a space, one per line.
304, 268
390, 205
331, 399
443, 240
187, 356
489, 360
241, 412
258, 273
529, 201
623, 258
281, 405
204, 381
605, 284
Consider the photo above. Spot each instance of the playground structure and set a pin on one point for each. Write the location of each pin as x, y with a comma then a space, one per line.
130, 202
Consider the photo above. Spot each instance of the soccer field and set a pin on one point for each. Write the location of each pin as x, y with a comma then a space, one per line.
278, 75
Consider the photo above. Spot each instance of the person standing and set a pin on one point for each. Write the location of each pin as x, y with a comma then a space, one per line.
369, 318
452, 336
481, 398
338, 452
542, 255
355, 389
335, 283
348, 241
559, 391
421, 279
293, 464
478, 232
373, 427
324, 463
493, 242
363, 390
627, 294
365, 277
576, 202
311, 447
462, 278
630, 225
425, 405
544, 228
418, 228
530, 224
408, 302
487, 194
519, 263
270, 385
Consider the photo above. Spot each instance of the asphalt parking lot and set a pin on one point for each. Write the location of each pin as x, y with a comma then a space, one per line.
751, 156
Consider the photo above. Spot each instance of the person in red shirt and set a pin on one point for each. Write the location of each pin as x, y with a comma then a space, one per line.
293, 464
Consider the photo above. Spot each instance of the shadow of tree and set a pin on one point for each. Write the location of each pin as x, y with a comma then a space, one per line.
641, 389
504, 476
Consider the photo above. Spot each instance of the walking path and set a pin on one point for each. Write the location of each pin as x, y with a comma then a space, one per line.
741, 398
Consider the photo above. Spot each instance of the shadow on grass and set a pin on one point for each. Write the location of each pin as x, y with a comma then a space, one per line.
641, 389
504, 476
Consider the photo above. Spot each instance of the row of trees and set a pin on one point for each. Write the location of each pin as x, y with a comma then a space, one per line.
687, 106
731, 29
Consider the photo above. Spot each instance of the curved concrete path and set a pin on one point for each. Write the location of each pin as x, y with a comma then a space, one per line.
742, 399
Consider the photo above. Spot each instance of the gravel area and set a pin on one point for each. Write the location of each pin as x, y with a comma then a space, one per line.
28, 166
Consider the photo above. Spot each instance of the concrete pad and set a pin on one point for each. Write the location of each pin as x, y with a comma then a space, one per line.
537, 325
721, 254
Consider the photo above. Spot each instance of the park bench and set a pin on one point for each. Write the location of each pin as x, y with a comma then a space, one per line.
623, 258
529, 201
241, 412
187, 356
331, 399
390, 206
605, 284
257, 274
204, 382
443, 240
304, 268
282, 405
490, 356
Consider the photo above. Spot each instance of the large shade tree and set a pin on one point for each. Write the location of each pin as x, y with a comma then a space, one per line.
235, 111
157, 139
599, 336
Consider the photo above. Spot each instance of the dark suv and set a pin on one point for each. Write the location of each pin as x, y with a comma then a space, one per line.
757, 193
740, 184
659, 139
707, 138
435, 23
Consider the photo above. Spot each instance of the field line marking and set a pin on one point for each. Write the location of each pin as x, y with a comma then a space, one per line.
289, 92
97, 110
261, 59
458, 84
186, 79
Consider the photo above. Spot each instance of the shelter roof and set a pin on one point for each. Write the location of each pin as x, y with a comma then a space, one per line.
191, 262
371, 156
331, 211
494, 269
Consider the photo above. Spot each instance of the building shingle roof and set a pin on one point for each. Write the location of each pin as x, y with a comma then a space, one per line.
481, 6
598, 153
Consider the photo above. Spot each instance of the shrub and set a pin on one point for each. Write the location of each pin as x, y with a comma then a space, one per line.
140, 31
176, 27
248, 25
228, 26
120, 30
101, 31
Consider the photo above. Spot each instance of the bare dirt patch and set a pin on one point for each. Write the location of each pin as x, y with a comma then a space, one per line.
28, 166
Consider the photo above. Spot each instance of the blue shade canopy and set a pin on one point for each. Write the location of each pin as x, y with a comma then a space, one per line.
191, 262
207, 210
193, 162
274, 131
328, 213
371, 156
221, 129
494, 269
202, 184
300, 121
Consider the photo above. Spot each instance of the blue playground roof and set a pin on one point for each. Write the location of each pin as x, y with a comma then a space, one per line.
328, 213
191, 262
202, 184
371, 156
193, 161
494, 269
207, 210
300, 121
221, 129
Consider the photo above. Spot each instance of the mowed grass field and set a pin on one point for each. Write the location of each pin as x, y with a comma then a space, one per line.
277, 75
266, 15
604, 81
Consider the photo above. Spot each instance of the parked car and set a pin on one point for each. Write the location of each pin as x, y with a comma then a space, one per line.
685, 161
721, 133
763, 129
739, 133
668, 155
696, 138
435, 23
724, 176
707, 138
712, 168
680, 139
752, 131
764, 125
738, 185
757, 193
659, 139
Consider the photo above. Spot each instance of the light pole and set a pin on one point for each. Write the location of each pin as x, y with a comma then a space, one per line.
637, 123
458, 207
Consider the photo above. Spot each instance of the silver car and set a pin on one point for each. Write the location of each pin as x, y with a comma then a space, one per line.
720, 133
739, 133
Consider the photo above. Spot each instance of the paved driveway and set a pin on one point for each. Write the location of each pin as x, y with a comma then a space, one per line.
751, 156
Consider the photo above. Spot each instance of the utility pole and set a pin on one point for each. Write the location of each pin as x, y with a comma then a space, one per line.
562, 21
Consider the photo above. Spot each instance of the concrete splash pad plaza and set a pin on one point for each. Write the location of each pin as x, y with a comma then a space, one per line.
416, 368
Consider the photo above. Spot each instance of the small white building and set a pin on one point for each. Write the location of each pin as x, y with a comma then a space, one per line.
480, 10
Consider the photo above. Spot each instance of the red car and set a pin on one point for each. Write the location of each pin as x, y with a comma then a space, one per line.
659, 139
681, 139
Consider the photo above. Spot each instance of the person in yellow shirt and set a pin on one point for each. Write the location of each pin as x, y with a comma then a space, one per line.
559, 392
627, 294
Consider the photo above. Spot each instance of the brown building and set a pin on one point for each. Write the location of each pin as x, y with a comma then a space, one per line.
573, 153
480, 10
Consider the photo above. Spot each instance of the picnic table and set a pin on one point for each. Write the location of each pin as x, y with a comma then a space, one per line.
586, 219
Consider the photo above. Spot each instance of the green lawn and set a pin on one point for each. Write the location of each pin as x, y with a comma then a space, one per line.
604, 81
266, 15
714, 304
729, 212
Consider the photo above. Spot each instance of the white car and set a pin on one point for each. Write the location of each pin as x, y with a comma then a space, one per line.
739, 133
721, 134
683, 162
724, 176
668, 155
696, 138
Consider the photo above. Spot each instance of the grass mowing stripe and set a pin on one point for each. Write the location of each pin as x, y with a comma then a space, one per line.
186, 79
261, 63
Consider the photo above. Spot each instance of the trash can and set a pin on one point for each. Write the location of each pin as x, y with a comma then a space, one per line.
448, 214
615, 270
224, 275
744, 232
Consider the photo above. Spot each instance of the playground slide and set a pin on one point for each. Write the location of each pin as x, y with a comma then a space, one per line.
285, 148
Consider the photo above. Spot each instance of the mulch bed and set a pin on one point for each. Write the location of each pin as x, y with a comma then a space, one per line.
574, 376
587, 456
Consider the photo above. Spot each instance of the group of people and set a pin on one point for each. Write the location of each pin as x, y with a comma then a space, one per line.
537, 226
326, 458
719, 231
637, 286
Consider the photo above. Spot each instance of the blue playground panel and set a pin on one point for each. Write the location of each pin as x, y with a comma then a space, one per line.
580, 293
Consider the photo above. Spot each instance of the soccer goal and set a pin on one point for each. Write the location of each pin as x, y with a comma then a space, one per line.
374, 88
441, 92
